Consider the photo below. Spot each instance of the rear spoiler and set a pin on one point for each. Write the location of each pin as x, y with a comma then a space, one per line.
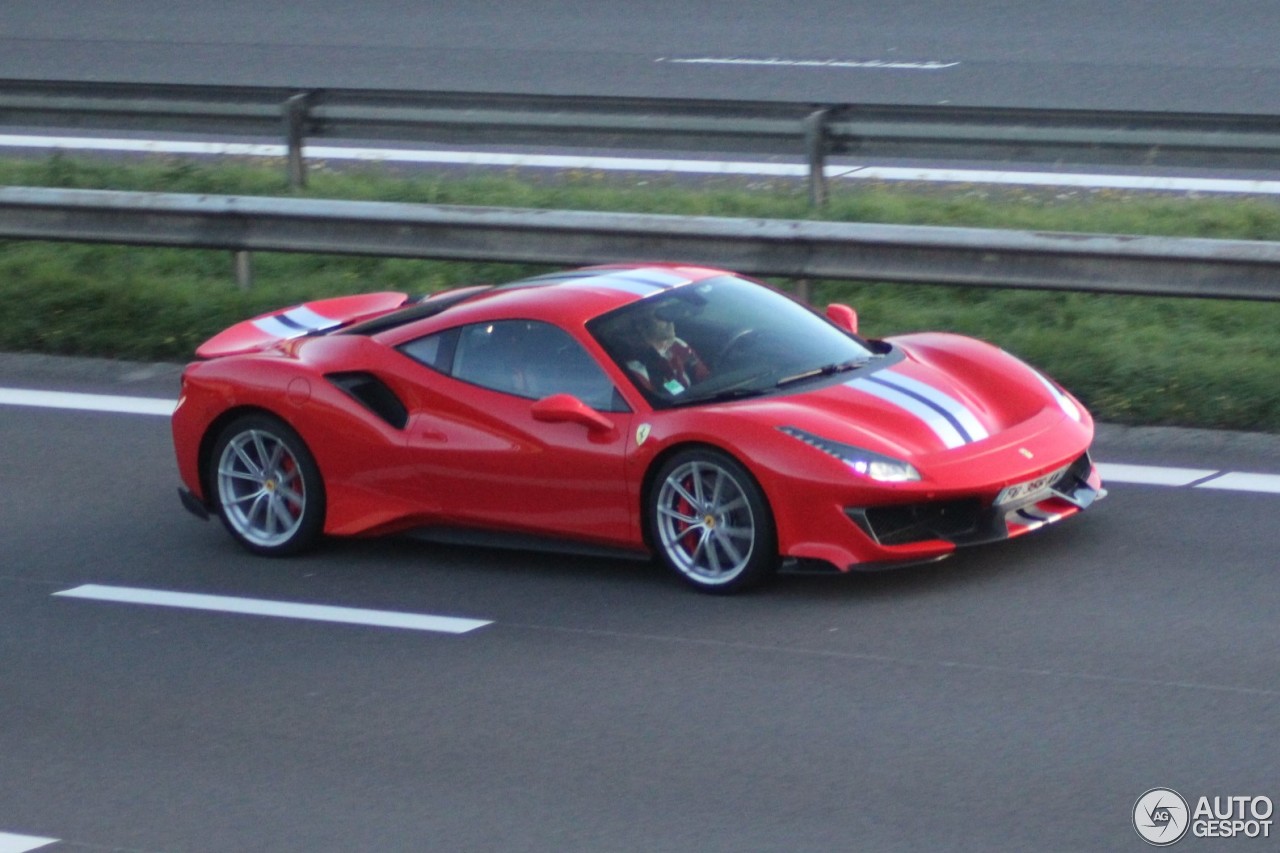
309, 318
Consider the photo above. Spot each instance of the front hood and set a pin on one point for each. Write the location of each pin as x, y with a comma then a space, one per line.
934, 394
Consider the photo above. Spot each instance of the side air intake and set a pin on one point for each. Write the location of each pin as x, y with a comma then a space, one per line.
373, 394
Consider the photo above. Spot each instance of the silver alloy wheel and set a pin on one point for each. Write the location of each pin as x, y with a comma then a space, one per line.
705, 523
261, 488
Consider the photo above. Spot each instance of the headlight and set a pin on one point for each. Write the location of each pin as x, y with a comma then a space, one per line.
886, 470
866, 463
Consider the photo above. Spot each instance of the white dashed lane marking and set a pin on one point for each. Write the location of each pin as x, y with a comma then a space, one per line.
86, 403
280, 609
778, 62
12, 843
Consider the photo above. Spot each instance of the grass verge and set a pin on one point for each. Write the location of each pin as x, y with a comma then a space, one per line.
1132, 360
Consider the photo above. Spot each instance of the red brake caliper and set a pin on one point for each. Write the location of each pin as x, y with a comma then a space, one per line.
688, 535
287, 468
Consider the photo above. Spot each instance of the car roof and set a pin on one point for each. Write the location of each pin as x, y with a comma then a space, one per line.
573, 297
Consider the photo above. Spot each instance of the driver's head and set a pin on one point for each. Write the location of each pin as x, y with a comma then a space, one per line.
653, 329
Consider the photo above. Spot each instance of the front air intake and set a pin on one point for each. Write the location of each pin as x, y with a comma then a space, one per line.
919, 522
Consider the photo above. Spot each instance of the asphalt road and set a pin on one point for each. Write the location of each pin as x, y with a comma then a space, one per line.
1017, 697
1173, 55
1014, 698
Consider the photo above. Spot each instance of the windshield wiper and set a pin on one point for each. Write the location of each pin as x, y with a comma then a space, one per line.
736, 393
825, 370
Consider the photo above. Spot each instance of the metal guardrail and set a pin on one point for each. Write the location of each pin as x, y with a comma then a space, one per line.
1154, 266
813, 130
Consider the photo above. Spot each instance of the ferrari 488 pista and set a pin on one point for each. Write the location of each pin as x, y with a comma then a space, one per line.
667, 410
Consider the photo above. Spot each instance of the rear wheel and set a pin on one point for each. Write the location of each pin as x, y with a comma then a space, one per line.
266, 486
709, 522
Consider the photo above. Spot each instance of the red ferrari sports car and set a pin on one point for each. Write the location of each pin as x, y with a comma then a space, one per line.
659, 409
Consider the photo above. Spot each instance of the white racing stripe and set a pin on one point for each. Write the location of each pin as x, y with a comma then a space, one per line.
277, 329
948, 418
86, 402
281, 609
13, 843
956, 410
1155, 183
294, 323
943, 428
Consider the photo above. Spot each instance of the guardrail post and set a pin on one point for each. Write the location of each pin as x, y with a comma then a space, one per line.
244, 269
815, 143
295, 126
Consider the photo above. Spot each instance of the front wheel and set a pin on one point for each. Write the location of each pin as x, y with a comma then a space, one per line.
266, 486
710, 523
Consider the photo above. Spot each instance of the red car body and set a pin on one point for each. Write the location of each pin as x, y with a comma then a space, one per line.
400, 445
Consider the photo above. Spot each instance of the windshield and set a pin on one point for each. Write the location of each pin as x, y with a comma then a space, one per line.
722, 338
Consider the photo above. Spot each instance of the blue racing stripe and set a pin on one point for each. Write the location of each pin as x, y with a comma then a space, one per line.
948, 416
286, 320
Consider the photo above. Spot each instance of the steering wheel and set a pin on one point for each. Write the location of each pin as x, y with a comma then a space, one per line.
733, 343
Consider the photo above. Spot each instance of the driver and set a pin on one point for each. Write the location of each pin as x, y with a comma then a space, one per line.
662, 361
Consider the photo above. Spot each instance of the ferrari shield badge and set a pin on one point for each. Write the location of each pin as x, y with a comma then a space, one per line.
642, 433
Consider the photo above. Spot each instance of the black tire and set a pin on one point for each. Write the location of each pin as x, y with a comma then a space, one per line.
266, 486
710, 523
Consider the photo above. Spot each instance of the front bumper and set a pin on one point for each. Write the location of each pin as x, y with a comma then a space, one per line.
887, 535
193, 504
968, 521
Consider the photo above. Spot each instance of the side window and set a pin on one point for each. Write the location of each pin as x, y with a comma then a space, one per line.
533, 360
429, 350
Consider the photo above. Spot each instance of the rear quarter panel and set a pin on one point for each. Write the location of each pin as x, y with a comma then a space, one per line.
355, 450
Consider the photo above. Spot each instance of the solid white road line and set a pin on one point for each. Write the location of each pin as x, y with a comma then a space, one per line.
86, 402
1199, 478
1054, 179
1241, 482
1151, 475
12, 843
1112, 472
625, 164
281, 609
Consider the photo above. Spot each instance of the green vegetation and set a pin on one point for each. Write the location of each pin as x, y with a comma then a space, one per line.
1132, 360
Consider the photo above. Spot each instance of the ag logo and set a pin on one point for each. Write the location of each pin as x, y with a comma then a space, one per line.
1161, 817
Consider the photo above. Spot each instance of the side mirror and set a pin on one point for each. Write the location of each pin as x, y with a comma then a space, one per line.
566, 408
843, 316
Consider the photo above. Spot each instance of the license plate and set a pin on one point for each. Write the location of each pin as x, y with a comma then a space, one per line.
1028, 491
